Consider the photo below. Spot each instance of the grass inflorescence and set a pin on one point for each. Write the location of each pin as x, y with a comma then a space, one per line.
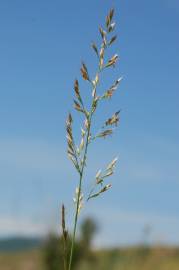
78, 153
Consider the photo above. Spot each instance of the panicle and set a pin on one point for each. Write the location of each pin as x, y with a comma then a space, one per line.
64, 230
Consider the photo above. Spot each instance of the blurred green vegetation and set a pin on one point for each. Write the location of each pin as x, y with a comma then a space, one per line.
53, 249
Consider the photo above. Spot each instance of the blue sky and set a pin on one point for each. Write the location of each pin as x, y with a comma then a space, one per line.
42, 45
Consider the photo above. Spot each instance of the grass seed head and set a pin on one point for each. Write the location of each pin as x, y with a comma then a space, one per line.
78, 155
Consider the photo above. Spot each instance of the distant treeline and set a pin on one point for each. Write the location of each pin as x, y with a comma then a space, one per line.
19, 243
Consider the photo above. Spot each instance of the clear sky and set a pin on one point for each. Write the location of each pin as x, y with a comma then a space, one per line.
42, 45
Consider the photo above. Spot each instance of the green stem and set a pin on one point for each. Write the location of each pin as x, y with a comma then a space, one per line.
79, 193
65, 255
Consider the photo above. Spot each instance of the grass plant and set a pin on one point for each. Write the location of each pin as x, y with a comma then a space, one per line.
78, 153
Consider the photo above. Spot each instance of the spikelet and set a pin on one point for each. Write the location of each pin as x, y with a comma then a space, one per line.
109, 93
112, 164
111, 27
112, 40
104, 189
113, 120
93, 45
109, 18
112, 61
78, 199
102, 32
84, 72
77, 106
77, 90
104, 133
98, 177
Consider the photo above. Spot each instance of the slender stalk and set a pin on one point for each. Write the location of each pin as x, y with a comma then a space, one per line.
64, 256
65, 236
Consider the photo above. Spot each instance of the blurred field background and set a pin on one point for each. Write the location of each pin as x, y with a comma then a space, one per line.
156, 258
47, 254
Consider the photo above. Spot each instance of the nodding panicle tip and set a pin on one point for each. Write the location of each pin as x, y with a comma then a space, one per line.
63, 217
